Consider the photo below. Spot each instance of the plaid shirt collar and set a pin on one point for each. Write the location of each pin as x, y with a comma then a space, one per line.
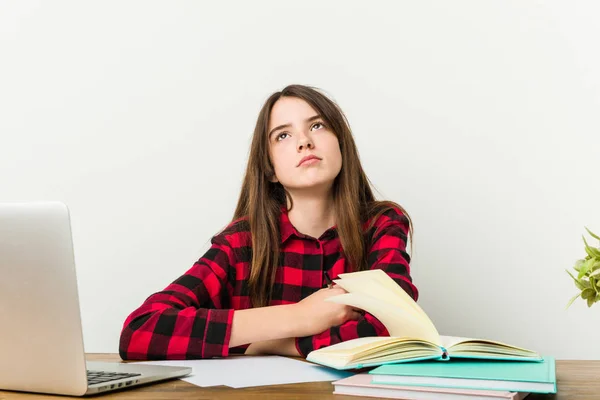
287, 229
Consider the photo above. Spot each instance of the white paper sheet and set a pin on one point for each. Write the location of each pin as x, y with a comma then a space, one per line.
248, 371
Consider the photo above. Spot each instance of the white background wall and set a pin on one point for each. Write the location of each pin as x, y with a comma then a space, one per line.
481, 118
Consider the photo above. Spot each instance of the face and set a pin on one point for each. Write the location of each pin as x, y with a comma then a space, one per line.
304, 152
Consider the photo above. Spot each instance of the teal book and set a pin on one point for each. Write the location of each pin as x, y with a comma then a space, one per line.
413, 336
538, 377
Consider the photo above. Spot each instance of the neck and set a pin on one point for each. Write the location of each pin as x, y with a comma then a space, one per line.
312, 214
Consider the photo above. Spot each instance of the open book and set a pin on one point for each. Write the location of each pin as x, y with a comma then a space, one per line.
413, 336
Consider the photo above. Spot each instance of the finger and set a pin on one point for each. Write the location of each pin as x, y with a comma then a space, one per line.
339, 289
355, 315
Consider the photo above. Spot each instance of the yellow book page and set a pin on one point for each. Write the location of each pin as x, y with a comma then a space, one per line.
399, 322
357, 345
378, 285
373, 349
401, 347
448, 341
481, 346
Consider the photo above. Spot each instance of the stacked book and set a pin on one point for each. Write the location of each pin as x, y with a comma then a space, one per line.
416, 362
456, 380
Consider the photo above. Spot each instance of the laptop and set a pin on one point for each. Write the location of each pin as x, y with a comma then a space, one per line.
41, 339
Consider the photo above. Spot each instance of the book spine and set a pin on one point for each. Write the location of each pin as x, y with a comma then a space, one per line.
445, 355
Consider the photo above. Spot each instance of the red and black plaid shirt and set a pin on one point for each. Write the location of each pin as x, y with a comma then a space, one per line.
192, 317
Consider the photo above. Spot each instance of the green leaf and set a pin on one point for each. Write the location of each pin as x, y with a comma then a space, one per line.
590, 301
579, 285
592, 251
571, 301
596, 272
591, 234
587, 293
595, 266
583, 269
577, 265
593, 299
593, 284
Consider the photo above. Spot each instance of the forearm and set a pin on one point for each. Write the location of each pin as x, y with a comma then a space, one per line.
158, 331
264, 324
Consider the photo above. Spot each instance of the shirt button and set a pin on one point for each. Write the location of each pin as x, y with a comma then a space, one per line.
318, 245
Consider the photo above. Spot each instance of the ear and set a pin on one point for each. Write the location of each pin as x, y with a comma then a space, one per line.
273, 179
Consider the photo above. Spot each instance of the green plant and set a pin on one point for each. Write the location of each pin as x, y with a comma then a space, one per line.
588, 274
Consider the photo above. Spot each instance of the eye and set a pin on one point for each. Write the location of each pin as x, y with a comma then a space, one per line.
281, 136
317, 125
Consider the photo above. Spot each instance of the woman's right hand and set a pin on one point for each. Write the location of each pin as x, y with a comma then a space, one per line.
315, 315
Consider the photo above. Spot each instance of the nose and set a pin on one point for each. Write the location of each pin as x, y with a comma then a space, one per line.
305, 142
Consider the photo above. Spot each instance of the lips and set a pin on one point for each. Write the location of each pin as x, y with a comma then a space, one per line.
307, 158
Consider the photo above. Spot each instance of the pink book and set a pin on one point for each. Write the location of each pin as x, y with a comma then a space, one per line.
360, 385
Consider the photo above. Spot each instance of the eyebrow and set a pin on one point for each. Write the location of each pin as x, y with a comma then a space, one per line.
315, 117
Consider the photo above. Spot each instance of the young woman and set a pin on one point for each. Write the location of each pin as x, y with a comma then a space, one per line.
306, 214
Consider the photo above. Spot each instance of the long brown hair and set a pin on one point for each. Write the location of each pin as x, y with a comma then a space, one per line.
260, 199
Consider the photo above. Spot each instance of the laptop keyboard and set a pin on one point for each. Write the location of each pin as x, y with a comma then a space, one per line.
95, 377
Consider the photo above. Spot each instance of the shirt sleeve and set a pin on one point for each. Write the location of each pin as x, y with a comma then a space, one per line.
388, 253
187, 319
